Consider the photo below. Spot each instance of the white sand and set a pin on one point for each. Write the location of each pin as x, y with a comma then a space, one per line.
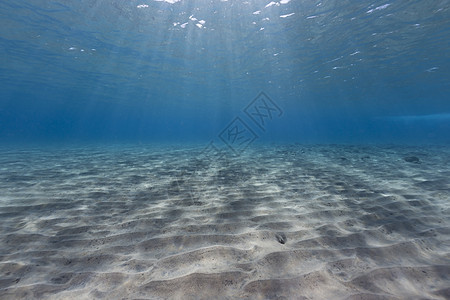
285, 222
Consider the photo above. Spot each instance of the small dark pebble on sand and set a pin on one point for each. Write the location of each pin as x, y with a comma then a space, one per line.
281, 238
412, 159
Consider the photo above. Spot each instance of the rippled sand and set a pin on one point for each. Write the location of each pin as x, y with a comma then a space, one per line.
281, 222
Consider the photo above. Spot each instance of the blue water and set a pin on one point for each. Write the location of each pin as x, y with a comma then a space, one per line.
157, 71
224, 149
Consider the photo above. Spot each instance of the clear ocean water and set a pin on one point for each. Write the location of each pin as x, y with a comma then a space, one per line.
181, 71
224, 149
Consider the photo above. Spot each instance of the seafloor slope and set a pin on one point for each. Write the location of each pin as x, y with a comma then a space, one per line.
285, 222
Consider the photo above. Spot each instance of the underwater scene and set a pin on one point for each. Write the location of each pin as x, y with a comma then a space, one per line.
225, 149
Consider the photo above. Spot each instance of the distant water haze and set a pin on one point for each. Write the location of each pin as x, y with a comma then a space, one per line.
182, 70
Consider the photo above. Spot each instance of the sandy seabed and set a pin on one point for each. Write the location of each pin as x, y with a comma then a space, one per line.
276, 222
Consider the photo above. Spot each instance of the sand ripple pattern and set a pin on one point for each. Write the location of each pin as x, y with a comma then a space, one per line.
280, 222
